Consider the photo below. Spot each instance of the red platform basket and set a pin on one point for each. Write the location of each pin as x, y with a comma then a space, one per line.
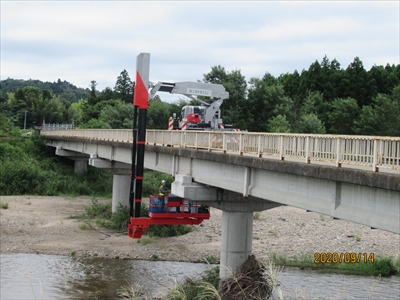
168, 210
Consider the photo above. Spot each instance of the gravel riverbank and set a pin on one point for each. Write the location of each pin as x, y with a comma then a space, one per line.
51, 225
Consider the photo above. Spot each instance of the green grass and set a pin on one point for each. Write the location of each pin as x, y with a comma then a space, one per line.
101, 212
383, 266
204, 288
154, 257
211, 259
4, 205
256, 215
200, 289
144, 241
168, 230
83, 226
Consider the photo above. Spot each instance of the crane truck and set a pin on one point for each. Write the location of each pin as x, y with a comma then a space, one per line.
203, 117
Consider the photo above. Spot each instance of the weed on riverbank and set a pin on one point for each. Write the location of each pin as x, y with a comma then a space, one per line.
254, 280
383, 266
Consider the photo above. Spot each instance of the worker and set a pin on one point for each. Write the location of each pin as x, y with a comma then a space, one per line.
164, 200
163, 190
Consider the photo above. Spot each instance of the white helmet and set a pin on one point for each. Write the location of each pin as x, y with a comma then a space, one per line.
163, 182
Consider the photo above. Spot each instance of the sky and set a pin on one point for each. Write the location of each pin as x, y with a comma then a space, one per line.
81, 41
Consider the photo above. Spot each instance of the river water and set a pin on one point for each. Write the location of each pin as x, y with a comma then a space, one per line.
32, 276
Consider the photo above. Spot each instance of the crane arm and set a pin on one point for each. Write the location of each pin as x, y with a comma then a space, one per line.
191, 89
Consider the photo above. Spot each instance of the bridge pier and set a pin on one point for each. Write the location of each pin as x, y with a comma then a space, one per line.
80, 166
237, 218
237, 241
121, 179
81, 160
120, 190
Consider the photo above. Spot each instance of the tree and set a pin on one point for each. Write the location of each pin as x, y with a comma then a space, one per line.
367, 122
106, 94
92, 100
315, 104
310, 123
124, 87
290, 84
53, 110
278, 123
93, 111
342, 115
233, 109
360, 84
118, 116
266, 101
38, 105
96, 124
157, 114
75, 112
382, 117
258, 107
388, 113
217, 75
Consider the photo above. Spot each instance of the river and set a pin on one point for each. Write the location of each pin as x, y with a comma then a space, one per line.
36, 276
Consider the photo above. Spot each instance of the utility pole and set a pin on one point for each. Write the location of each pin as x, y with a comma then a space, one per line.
25, 121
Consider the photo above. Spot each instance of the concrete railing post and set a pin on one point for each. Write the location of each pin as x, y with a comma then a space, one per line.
375, 159
281, 147
307, 150
224, 142
338, 163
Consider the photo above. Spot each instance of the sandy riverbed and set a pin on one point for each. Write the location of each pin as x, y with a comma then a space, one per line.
50, 225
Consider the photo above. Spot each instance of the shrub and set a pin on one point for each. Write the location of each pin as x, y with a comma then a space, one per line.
30, 167
97, 209
119, 220
168, 230
197, 289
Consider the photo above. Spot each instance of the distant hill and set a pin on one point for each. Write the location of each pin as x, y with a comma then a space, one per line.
64, 89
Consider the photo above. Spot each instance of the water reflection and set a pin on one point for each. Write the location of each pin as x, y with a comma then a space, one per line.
307, 284
30, 276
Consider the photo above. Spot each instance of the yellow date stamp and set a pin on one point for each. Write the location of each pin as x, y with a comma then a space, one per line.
344, 257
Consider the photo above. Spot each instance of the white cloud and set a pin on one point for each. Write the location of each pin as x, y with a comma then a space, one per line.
95, 40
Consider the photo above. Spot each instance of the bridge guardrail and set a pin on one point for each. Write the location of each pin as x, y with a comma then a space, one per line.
55, 126
372, 151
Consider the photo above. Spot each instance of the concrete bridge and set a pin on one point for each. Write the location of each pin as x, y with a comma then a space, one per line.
355, 178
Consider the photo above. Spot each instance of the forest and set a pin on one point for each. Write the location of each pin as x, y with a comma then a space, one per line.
325, 98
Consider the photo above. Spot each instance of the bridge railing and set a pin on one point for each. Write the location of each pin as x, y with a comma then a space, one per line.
55, 126
372, 151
